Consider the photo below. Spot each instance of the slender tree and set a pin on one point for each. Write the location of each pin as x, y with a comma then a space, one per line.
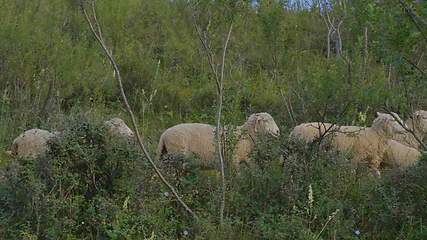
219, 80
96, 30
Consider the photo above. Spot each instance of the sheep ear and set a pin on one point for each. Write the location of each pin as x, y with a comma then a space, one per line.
257, 122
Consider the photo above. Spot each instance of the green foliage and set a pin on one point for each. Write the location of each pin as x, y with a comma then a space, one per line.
87, 171
93, 186
276, 54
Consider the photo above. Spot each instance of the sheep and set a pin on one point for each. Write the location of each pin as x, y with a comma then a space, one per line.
369, 144
259, 123
199, 138
31, 143
309, 132
399, 155
119, 127
403, 149
188, 138
418, 123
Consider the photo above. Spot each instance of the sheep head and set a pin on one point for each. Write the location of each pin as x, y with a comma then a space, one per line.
263, 123
118, 125
420, 120
388, 124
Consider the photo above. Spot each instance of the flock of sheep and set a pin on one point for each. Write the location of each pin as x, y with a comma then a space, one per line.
386, 143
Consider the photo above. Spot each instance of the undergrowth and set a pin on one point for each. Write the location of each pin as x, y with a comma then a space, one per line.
94, 185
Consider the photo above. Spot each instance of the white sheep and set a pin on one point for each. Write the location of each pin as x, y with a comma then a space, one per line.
188, 138
31, 143
399, 155
417, 123
199, 138
399, 152
403, 150
247, 135
369, 144
309, 132
119, 127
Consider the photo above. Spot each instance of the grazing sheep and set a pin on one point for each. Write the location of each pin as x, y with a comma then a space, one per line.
188, 138
369, 144
309, 132
199, 138
119, 127
31, 143
402, 151
399, 152
399, 155
418, 123
259, 123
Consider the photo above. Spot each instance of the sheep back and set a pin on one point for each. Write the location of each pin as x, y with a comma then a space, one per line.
31, 143
309, 131
399, 155
367, 145
188, 138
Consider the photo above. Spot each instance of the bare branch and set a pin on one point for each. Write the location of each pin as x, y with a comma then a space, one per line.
288, 106
223, 53
339, 41
128, 108
219, 79
96, 20
219, 130
211, 56
416, 19
415, 66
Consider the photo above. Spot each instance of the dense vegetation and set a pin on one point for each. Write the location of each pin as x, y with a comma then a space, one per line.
54, 76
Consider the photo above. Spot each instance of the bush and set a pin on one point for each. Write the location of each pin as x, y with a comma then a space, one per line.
90, 186
52, 196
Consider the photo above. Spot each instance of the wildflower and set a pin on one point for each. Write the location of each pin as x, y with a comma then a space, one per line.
166, 194
357, 232
310, 196
185, 232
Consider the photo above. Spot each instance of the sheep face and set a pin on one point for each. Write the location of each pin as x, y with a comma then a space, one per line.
264, 123
388, 123
118, 125
420, 118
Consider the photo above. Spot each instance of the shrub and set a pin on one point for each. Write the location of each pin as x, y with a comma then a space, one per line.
52, 196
